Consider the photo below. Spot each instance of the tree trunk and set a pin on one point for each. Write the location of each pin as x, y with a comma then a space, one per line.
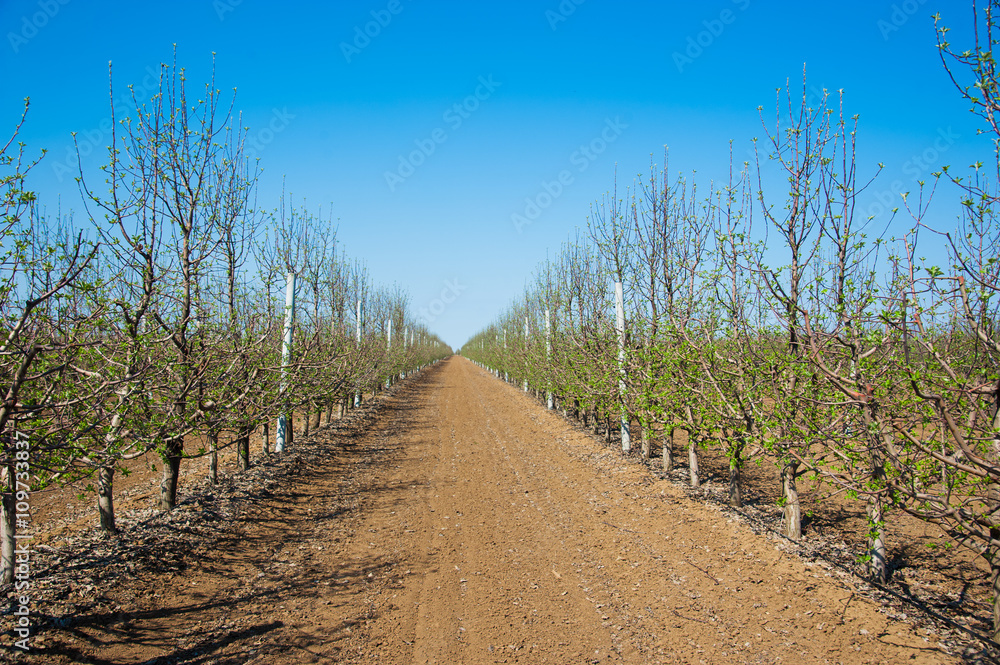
243, 450
877, 566
607, 428
737, 444
693, 470
992, 552
647, 440
736, 481
341, 408
668, 451
7, 508
106, 481
792, 509
329, 414
993, 557
171, 470
265, 442
105, 498
307, 423
213, 458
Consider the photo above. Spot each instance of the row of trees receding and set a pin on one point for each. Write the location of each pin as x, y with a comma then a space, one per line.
160, 328
777, 321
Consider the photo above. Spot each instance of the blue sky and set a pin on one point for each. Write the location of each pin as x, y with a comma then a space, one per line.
334, 110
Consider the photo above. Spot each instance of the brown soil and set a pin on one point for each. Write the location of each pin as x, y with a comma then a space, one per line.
452, 520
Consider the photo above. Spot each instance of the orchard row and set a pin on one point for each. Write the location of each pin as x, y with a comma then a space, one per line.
769, 319
165, 325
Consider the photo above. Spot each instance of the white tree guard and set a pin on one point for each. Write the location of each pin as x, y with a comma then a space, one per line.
620, 327
281, 436
550, 399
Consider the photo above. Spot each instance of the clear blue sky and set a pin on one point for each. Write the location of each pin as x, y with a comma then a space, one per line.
550, 77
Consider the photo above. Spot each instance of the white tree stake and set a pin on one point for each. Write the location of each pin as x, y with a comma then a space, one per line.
620, 311
281, 436
526, 349
357, 391
506, 376
406, 369
548, 353
388, 345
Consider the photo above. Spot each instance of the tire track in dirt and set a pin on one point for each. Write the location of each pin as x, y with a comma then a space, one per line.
461, 522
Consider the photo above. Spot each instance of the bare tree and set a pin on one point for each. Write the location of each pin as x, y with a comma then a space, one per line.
38, 342
798, 146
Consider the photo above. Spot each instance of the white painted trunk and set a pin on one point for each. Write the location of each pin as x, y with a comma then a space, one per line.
877, 566
286, 358
7, 505
105, 498
792, 508
693, 469
620, 328
548, 353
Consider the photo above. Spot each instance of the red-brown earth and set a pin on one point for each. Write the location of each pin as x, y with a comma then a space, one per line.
455, 520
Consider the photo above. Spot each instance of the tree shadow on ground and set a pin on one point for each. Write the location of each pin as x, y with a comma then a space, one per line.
223, 531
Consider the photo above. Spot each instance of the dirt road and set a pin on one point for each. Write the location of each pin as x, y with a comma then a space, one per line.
465, 524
